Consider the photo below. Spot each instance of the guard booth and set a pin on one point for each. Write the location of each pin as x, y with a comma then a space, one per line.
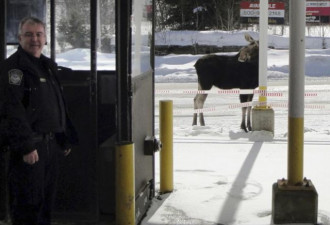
108, 83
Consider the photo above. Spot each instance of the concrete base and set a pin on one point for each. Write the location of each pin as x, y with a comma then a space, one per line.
294, 204
263, 119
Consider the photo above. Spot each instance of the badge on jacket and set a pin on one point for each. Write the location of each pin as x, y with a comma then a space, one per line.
15, 76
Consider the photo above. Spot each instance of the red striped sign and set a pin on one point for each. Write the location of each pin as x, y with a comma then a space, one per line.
249, 12
318, 8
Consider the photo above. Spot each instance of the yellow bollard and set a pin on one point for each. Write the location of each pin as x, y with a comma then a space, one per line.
263, 97
125, 184
263, 115
295, 151
166, 138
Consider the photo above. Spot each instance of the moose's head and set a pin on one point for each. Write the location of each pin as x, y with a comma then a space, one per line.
249, 53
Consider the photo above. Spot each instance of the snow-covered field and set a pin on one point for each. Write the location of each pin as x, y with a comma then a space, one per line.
223, 175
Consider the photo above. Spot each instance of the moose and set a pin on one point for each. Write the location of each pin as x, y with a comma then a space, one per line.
227, 72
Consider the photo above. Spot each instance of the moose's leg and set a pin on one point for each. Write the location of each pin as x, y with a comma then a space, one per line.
244, 98
195, 113
198, 104
201, 119
243, 124
194, 119
249, 127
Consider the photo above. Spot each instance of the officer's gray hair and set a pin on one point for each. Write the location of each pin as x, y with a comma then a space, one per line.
32, 20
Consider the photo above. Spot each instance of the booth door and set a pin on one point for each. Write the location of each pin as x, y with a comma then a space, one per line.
142, 58
143, 115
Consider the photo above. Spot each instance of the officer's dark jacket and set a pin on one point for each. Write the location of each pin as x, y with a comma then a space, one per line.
20, 96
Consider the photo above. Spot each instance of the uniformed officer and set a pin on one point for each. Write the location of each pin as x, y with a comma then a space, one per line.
38, 127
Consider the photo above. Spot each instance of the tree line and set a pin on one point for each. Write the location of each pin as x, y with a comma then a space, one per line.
73, 23
200, 14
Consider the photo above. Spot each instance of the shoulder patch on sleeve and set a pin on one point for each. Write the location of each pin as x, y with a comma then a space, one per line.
15, 76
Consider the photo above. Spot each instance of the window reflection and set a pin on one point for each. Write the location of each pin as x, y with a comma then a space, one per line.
141, 36
73, 34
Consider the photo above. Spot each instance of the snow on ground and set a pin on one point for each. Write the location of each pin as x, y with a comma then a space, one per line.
230, 182
223, 175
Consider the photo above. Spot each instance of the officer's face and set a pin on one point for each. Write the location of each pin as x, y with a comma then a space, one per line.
32, 38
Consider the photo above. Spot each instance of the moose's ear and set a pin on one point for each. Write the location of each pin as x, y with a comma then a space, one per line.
248, 37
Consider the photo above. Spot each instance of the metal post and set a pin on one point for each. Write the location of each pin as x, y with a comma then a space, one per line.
52, 30
263, 46
93, 91
93, 77
123, 69
263, 115
166, 138
295, 200
125, 184
125, 162
93, 19
3, 156
296, 91
3, 23
152, 63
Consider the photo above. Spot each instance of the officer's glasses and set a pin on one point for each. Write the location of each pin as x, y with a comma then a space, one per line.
32, 35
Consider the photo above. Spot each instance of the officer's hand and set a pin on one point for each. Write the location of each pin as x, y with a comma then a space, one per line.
67, 152
31, 158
